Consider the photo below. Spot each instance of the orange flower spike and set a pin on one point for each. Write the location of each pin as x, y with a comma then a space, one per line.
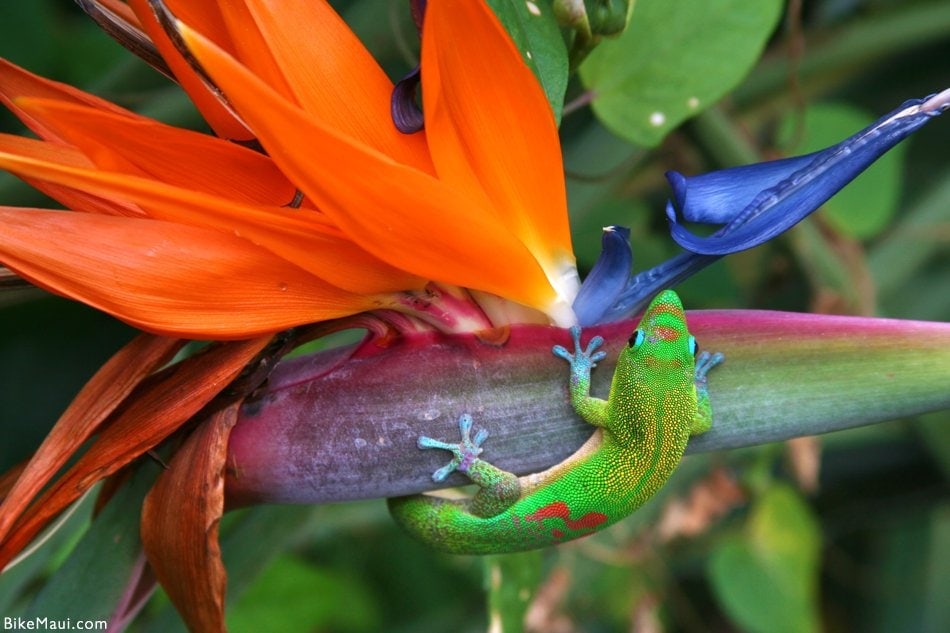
492, 130
302, 238
408, 218
405, 217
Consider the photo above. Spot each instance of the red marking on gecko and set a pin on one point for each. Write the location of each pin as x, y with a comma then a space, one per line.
664, 333
559, 510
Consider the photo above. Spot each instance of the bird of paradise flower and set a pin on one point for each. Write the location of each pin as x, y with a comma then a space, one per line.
310, 206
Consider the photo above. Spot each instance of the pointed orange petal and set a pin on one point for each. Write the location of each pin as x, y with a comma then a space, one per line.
121, 10
153, 412
44, 151
97, 400
180, 520
9, 478
84, 202
178, 157
212, 109
54, 152
333, 77
302, 237
401, 215
491, 129
165, 277
16, 82
251, 47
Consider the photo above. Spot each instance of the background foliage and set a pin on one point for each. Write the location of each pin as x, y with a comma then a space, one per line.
761, 539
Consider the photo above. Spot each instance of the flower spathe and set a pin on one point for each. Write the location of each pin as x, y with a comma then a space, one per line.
475, 201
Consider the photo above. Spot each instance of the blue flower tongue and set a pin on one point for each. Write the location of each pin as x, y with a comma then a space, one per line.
607, 279
758, 202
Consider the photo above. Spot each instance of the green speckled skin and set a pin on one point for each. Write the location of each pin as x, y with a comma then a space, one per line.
657, 400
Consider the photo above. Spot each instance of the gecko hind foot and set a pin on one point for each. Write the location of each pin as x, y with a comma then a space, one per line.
465, 452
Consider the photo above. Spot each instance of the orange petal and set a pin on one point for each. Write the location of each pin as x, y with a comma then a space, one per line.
8, 479
302, 237
224, 123
165, 277
251, 47
180, 520
54, 152
153, 412
491, 130
94, 403
122, 11
332, 75
82, 201
400, 214
47, 152
178, 157
16, 82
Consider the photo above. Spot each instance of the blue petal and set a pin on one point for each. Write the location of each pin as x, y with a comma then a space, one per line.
403, 106
642, 287
716, 197
758, 202
608, 277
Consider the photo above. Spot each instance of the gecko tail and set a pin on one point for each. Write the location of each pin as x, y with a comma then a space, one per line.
448, 526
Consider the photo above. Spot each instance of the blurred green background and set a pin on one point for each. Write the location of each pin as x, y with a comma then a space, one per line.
761, 539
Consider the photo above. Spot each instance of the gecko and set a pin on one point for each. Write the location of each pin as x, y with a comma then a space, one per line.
658, 398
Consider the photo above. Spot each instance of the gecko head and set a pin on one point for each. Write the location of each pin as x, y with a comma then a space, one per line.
662, 338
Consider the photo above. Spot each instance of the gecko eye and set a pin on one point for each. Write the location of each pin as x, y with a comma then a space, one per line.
693, 345
636, 339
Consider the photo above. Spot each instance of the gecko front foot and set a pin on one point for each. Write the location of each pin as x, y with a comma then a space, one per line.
582, 360
465, 452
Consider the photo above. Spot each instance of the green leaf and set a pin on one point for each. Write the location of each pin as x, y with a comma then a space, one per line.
54, 346
910, 557
108, 554
932, 428
511, 580
767, 577
22, 28
292, 595
19, 580
898, 258
674, 60
863, 208
535, 32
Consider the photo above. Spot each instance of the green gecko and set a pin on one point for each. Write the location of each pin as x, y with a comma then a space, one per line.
658, 398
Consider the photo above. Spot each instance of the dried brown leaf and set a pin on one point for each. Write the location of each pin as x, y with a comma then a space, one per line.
180, 524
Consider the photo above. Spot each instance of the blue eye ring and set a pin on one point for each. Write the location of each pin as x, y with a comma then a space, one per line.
693, 345
636, 339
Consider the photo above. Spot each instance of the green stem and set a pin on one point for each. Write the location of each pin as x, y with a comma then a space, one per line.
723, 140
332, 427
851, 50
